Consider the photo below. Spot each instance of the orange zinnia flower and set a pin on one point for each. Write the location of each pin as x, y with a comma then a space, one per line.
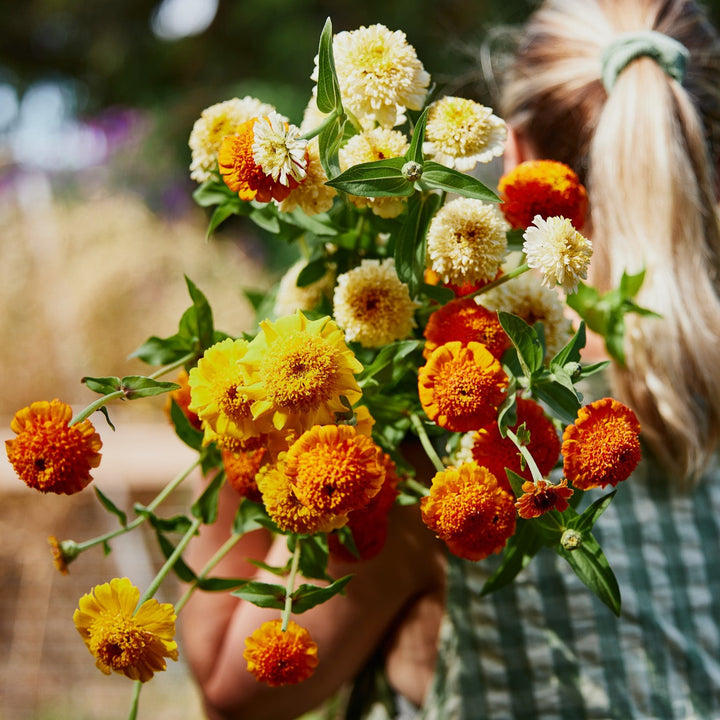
461, 386
542, 496
496, 452
241, 468
280, 657
466, 321
242, 174
603, 446
50, 455
334, 469
542, 187
469, 510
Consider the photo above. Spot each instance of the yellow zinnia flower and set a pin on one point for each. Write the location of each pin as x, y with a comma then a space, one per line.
124, 640
281, 657
303, 369
49, 454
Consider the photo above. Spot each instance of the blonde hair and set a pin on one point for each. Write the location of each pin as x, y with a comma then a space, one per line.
648, 154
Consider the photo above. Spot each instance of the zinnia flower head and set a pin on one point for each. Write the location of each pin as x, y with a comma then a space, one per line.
49, 454
602, 447
558, 251
368, 146
525, 297
542, 187
312, 195
124, 640
304, 368
461, 133
263, 160
278, 657
469, 511
63, 553
379, 74
218, 390
466, 241
213, 125
290, 298
241, 468
461, 386
372, 305
334, 469
541, 497
496, 452
467, 321
286, 510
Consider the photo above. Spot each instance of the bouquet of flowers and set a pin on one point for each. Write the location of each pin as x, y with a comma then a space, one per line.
426, 312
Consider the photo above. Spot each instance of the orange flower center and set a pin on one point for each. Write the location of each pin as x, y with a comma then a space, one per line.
117, 641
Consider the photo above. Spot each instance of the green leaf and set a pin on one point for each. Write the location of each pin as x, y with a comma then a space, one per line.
103, 385
516, 481
314, 557
308, 596
139, 386
264, 595
203, 318
571, 351
110, 506
515, 240
438, 177
213, 192
345, 537
590, 564
328, 88
217, 584
264, 215
630, 284
205, 507
389, 355
329, 141
561, 401
415, 151
221, 214
312, 272
378, 178
180, 568
251, 516
584, 523
518, 552
438, 293
191, 436
163, 351
525, 340
176, 524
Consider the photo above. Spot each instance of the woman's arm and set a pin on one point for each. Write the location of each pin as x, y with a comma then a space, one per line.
347, 628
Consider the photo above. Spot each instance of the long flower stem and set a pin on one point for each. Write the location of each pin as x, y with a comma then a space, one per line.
170, 562
529, 459
425, 441
137, 687
177, 480
290, 586
227, 546
500, 281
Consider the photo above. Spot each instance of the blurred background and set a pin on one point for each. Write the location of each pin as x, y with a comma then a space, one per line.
97, 229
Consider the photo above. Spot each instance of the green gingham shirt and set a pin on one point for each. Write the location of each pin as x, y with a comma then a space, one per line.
546, 649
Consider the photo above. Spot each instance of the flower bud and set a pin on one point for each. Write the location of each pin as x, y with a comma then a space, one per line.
571, 539
412, 171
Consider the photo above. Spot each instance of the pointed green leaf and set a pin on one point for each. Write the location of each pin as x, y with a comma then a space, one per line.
139, 386
525, 340
251, 516
308, 596
314, 555
103, 385
205, 507
163, 351
415, 151
571, 351
203, 318
216, 584
180, 568
190, 435
379, 178
438, 177
264, 595
329, 141
221, 214
518, 552
328, 87
584, 523
213, 192
110, 506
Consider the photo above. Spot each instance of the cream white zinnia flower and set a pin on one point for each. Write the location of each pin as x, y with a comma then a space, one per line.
379, 74
466, 241
461, 133
312, 196
279, 150
372, 305
558, 251
214, 123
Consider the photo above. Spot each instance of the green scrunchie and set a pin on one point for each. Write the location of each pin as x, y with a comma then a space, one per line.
667, 52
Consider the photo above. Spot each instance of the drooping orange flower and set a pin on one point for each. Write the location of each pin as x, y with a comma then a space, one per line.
542, 496
495, 452
469, 511
461, 386
542, 187
334, 469
369, 525
464, 320
61, 558
241, 468
49, 454
278, 657
602, 447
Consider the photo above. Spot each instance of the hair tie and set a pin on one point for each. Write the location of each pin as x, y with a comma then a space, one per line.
667, 52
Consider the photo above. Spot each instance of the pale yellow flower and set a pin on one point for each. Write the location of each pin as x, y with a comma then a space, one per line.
312, 196
372, 305
291, 298
558, 251
380, 75
279, 150
466, 241
461, 133
369, 146
525, 297
214, 123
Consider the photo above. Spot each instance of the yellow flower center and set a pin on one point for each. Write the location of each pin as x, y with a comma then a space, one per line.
235, 404
117, 641
301, 374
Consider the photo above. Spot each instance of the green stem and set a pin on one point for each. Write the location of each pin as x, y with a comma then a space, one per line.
425, 441
317, 130
290, 586
137, 687
177, 480
500, 281
172, 366
214, 560
416, 486
170, 562
529, 459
